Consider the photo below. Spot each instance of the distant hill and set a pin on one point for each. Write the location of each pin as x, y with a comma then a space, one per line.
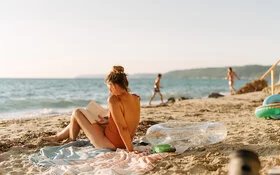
245, 72
138, 75
142, 75
91, 76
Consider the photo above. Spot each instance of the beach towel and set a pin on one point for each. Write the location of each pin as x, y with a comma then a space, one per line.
80, 157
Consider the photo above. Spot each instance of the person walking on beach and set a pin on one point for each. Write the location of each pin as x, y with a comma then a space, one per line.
230, 77
119, 129
157, 89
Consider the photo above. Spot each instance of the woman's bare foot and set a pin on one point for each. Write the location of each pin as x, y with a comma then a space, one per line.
54, 140
67, 141
51, 138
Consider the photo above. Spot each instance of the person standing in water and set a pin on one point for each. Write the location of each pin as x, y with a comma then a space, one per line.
230, 77
157, 89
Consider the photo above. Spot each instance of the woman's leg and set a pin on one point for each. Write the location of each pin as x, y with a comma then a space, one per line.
152, 97
232, 88
74, 127
160, 95
67, 133
94, 132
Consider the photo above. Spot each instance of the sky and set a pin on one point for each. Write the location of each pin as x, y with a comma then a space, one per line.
69, 38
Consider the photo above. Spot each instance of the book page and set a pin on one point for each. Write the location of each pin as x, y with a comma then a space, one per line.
92, 111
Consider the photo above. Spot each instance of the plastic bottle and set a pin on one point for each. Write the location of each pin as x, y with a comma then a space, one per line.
183, 135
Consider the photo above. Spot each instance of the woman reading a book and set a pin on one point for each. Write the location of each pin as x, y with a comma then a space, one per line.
119, 129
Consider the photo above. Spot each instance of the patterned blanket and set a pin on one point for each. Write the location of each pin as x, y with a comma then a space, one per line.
80, 157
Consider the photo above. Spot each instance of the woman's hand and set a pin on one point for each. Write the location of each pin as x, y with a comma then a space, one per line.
103, 120
136, 150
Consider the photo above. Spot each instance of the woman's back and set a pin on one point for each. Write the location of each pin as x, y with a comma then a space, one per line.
131, 105
124, 117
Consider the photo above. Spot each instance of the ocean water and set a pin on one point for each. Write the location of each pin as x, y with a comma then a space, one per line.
25, 98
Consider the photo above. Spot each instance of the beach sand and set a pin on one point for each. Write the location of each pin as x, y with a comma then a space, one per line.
20, 138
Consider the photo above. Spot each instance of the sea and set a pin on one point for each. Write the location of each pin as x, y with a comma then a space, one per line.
30, 98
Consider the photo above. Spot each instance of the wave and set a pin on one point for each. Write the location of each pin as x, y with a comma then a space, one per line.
46, 112
28, 104
21, 98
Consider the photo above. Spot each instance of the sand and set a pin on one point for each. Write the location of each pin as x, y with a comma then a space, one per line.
20, 138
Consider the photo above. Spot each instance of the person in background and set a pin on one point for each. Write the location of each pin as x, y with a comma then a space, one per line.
230, 77
157, 89
119, 129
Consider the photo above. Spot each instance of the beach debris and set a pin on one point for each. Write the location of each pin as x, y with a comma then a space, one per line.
215, 95
163, 148
256, 85
267, 90
184, 135
171, 100
183, 98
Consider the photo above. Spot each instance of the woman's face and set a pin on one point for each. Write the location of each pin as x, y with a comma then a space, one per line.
112, 88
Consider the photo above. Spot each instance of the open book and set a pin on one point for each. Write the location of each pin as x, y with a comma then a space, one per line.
92, 111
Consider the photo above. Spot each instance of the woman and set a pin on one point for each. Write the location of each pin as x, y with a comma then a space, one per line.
124, 115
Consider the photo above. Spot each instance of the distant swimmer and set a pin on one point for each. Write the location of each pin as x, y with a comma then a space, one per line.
157, 89
230, 78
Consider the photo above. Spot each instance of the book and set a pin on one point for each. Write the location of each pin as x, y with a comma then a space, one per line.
92, 110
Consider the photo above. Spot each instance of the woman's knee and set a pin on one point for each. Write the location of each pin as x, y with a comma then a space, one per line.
76, 113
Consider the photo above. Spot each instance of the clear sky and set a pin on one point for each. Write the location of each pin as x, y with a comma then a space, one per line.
67, 38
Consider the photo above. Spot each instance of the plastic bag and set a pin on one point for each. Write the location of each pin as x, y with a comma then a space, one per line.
183, 135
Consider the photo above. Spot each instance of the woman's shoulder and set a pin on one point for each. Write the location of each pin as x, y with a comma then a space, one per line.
113, 99
136, 96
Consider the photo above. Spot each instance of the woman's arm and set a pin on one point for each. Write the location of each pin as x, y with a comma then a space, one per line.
227, 76
117, 115
103, 120
236, 76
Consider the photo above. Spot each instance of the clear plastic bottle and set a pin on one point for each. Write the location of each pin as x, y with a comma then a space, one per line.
183, 135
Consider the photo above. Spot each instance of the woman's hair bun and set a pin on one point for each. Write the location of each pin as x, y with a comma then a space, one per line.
118, 76
118, 69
